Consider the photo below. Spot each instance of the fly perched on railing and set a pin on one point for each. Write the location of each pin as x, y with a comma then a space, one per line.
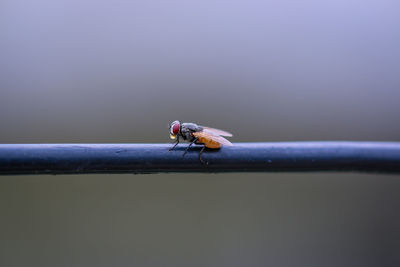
197, 134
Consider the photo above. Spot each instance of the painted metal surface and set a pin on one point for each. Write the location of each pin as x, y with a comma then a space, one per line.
242, 157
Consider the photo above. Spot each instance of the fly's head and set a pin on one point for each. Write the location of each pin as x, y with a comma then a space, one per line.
174, 129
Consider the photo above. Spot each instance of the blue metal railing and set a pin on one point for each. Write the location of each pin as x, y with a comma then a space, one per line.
242, 157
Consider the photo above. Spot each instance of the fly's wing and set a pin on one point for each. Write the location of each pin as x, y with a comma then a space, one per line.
214, 131
212, 137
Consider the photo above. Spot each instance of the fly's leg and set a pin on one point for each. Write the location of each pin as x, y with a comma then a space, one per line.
176, 143
200, 158
187, 149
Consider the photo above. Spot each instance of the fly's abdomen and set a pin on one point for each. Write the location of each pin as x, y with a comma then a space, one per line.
209, 143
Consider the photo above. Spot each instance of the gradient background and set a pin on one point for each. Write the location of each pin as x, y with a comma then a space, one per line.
120, 71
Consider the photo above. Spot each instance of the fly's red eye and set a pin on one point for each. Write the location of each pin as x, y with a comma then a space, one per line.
175, 128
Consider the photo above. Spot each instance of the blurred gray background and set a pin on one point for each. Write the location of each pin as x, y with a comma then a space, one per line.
120, 71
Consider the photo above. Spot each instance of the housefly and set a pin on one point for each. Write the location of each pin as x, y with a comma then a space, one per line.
197, 134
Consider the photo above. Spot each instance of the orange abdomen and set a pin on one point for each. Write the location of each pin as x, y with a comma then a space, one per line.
209, 143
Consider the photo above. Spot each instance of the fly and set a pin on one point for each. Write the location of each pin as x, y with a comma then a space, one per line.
199, 135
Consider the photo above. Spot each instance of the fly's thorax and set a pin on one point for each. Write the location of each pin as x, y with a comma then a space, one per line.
188, 128
186, 133
191, 127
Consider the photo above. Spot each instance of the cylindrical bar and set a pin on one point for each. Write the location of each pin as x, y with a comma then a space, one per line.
242, 157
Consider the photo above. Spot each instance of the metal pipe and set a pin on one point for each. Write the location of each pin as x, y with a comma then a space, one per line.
242, 157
